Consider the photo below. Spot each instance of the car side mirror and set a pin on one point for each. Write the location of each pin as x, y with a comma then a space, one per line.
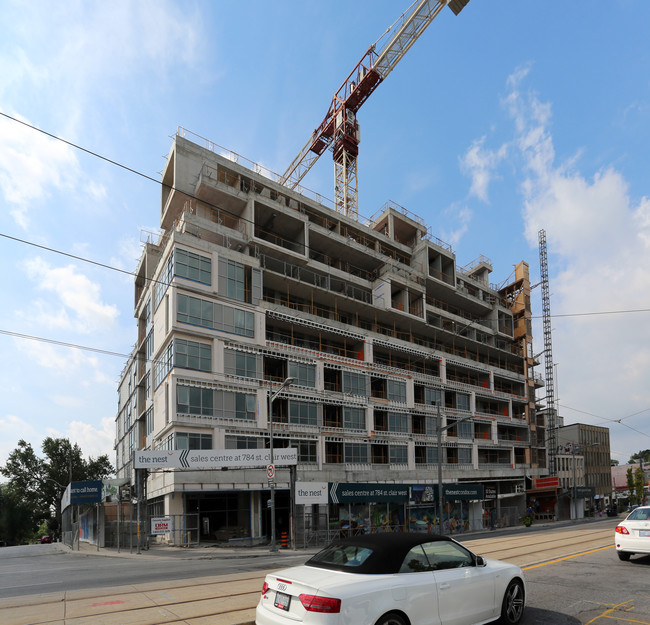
480, 561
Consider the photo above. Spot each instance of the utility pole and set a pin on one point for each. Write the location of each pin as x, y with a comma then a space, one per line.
272, 397
439, 430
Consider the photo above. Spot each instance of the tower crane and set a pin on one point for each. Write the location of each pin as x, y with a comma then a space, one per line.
339, 129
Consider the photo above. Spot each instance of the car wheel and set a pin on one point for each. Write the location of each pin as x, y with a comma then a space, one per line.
512, 607
391, 619
623, 555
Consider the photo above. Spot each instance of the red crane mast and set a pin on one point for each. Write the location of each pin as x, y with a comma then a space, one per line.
339, 129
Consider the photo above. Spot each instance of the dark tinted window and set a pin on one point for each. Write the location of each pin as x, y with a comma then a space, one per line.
415, 561
342, 556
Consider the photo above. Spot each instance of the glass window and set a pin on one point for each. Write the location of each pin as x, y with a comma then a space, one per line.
192, 355
193, 440
303, 413
193, 267
462, 401
415, 561
236, 281
464, 455
356, 453
245, 406
306, 450
355, 383
398, 454
465, 429
398, 422
396, 391
244, 321
447, 555
432, 396
354, 418
304, 374
193, 400
246, 365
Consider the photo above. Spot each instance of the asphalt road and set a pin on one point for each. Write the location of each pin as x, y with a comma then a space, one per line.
573, 575
36, 569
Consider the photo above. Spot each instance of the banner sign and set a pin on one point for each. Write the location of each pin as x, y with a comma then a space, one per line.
341, 492
312, 493
88, 491
584, 492
214, 458
161, 525
462, 492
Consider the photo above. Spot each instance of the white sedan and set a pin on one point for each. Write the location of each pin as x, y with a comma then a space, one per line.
633, 534
393, 579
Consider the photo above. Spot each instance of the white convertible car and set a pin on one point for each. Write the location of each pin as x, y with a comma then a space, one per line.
394, 579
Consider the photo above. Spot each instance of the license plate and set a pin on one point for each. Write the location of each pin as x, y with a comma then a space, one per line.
644, 533
282, 601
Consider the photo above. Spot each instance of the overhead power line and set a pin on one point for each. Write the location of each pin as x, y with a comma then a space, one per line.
209, 204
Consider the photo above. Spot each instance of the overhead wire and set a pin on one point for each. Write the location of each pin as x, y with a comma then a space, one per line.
218, 208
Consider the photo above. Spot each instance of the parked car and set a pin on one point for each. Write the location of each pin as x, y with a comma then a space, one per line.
393, 579
632, 535
46, 539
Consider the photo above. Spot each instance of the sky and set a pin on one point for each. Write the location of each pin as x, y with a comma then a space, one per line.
509, 118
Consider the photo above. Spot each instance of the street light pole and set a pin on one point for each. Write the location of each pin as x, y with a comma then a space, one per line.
272, 397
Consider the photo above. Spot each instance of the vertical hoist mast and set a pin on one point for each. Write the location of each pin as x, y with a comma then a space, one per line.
551, 423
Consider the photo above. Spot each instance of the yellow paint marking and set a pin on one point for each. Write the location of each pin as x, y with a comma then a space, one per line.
575, 555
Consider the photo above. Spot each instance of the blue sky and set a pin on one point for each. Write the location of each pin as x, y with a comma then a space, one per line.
511, 117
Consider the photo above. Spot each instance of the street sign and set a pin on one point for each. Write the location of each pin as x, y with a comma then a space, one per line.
270, 471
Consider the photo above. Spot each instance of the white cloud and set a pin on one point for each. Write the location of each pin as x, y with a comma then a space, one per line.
93, 440
76, 302
12, 429
463, 216
480, 164
31, 165
599, 250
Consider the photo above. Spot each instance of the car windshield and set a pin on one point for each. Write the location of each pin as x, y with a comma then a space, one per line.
640, 514
342, 556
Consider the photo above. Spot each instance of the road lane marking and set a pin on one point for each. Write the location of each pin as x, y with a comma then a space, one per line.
607, 614
575, 555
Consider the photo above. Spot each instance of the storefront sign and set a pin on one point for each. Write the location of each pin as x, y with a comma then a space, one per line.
462, 492
584, 492
489, 492
311, 493
351, 492
214, 458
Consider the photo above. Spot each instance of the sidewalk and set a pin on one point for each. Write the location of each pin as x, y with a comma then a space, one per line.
217, 551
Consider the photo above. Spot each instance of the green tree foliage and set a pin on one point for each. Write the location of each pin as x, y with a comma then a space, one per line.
37, 484
645, 455
630, 484
638, 485
17, 523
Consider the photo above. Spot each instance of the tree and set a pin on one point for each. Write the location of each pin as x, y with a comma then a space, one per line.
644, 455
39, 483
639, 483
17, 523
630, 484
613, 463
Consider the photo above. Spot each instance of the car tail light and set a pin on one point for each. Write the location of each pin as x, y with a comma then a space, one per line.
621, 529
314, 603
265, 588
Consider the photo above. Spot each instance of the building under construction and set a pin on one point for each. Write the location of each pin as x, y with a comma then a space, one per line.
380, 358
